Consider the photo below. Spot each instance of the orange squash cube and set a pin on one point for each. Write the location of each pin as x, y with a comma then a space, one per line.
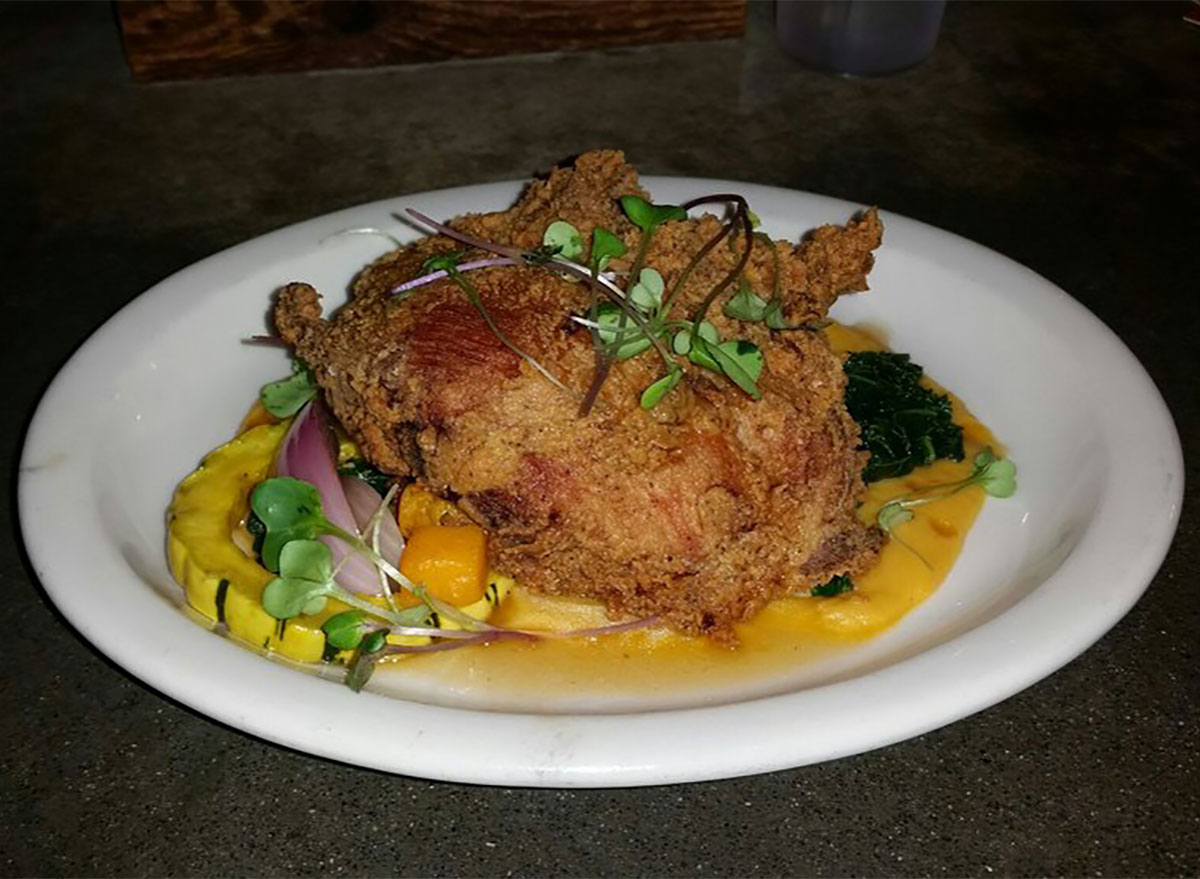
451, 560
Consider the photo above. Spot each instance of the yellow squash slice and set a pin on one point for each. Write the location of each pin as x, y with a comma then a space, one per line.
224, 582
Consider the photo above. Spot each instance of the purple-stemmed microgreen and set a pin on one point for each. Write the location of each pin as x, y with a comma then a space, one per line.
647, 217
550, 262
437, 275
605, 247
646, 302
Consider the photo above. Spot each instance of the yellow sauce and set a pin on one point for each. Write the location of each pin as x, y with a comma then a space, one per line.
784, 635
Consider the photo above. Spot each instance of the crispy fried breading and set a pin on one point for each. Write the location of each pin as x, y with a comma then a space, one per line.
701, 510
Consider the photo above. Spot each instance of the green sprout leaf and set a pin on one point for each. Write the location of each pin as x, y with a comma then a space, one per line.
286, 397
740, 361
891, 514
773, 316
290, 509
306, 578
747, 355
363, 664
605, 246
647, 216
346, 630
647, 293
698, 353
653, 394
755, 222
564, 239
902, 423
998, 476
746, 305
632, 340
442, 262
836, 586
682, 342
375, 641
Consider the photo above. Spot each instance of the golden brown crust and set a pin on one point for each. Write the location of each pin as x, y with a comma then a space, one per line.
701, 510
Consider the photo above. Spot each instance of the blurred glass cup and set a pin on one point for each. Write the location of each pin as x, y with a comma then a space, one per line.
859, 37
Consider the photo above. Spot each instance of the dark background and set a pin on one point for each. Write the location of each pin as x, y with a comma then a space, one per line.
1063, 135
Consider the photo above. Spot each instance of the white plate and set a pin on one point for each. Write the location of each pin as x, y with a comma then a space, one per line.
1043, 575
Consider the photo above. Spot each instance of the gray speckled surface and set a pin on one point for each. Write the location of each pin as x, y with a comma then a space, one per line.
1064, 136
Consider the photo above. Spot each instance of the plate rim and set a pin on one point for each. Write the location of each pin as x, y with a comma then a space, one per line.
564, 734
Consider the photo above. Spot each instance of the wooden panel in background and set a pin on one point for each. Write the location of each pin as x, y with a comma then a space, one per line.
184, 39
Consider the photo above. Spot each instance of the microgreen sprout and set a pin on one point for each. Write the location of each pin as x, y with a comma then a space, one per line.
290, 509
605, 247
647, 293
646, 302
563, 239
647, 216
892, 514
659, 389
305, 579
996, 476
346, 630
746, 305
622, 342
293, 526
740, 361
373, 531
598, 285
437, 275
363, 664
286, 397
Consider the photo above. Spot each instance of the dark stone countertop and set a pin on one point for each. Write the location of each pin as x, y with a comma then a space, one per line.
1064, 136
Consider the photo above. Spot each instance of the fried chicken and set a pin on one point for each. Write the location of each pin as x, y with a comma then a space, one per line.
699, 511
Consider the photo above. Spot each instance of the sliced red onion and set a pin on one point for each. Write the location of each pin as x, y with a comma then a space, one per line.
436, 276
364, 504
308, 453
269, 341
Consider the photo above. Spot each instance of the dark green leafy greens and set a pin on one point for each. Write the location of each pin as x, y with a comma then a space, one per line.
836, 586
903, 425
372, 476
